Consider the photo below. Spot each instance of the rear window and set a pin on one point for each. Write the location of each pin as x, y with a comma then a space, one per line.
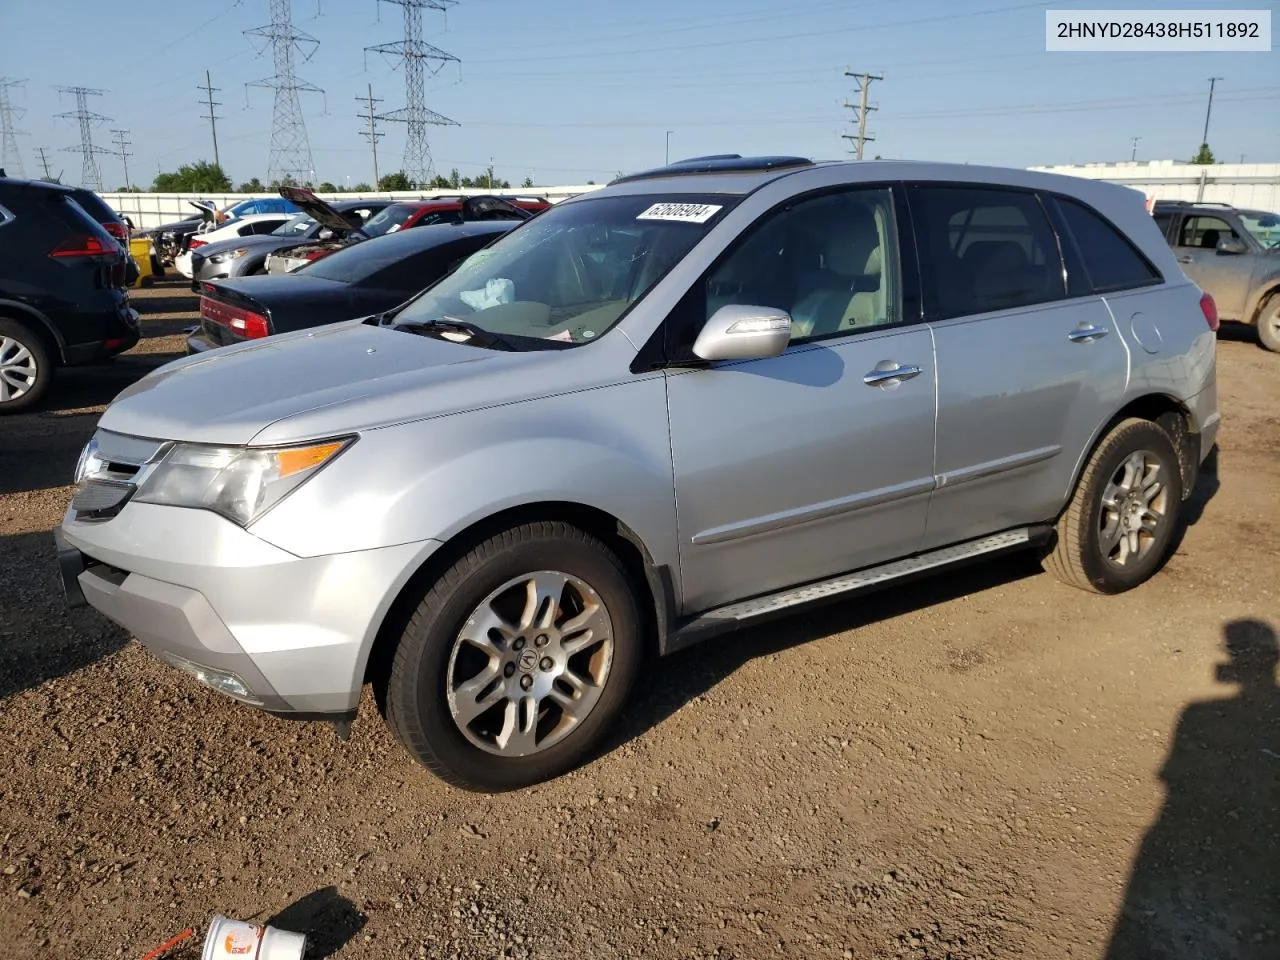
1111, 261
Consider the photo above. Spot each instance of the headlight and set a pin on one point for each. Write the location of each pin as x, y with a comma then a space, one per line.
241, 483
235, 254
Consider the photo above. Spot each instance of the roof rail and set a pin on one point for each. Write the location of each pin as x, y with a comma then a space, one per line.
717, 163
1195, 203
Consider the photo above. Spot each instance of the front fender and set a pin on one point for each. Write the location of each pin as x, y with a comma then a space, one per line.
607, 448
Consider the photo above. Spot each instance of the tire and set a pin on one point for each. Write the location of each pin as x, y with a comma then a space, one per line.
1094, 548
26, 369
1269, 323
459, 710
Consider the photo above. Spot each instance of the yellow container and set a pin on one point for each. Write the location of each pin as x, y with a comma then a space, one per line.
141, 249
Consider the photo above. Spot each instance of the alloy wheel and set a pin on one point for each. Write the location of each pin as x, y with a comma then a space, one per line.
1135, 506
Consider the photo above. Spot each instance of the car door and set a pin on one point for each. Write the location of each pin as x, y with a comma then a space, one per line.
1026, 373
798, 467
1224, 276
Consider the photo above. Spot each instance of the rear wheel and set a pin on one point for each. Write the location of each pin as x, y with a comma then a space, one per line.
1120, 522
25, 367
1269, 323
517, 660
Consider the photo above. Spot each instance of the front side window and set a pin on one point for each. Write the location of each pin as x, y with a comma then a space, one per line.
1204, 232
830, 261
569, 274
1110, 260
1264, 226
985, 249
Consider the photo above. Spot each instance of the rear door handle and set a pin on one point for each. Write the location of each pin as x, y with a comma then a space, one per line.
1087, 333
1186, 259
890, 373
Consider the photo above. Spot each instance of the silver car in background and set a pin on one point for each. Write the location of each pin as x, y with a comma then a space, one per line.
698, 397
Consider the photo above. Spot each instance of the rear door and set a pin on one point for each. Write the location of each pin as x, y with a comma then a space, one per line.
1224, 276
1026, 372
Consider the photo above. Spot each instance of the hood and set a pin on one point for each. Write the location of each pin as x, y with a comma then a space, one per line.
208, 212
308, 202
254, 241
283, 389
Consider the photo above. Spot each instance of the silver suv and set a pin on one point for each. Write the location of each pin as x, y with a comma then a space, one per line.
692, 399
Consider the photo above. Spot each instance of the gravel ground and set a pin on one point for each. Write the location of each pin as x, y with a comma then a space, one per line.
986, 764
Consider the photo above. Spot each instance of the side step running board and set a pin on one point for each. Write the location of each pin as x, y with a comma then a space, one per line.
736, 614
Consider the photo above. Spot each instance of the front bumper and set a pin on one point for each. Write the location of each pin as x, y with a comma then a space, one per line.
182, 263
198, 591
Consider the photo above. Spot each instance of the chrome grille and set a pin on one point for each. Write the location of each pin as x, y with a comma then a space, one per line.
111, 468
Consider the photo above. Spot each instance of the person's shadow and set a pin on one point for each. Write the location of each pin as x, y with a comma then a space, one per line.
1206, 880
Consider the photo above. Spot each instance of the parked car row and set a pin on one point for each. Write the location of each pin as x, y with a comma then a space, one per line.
699, 397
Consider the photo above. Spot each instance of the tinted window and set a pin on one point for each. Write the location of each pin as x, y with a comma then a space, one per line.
390, 220
830, 261
95, 206
985, 249
439, 216
1110, 259
422, 269
1204, 232
387, 263
1164, 221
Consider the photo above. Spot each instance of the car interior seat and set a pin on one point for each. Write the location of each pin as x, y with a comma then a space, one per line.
844, 291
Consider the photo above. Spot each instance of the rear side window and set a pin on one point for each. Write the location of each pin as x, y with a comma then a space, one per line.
1110, 259
419, 271
985, 249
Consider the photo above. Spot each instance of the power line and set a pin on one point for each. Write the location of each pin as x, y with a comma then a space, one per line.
10, 158
372, 134
290, 155
90, 175
209, 90
417, 56
123, 154
863, 80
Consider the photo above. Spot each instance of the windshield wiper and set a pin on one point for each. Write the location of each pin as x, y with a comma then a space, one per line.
478, 336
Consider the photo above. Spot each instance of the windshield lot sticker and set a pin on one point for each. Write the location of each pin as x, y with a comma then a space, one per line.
683, 212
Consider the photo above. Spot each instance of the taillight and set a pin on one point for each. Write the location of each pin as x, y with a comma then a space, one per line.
248, 324
196, 242
116, 229
1210, 311
81, 245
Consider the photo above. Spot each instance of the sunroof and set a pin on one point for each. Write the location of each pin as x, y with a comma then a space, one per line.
718, 163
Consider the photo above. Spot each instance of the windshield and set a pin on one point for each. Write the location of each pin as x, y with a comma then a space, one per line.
1265, 227
390, 220
294, 226
570, 273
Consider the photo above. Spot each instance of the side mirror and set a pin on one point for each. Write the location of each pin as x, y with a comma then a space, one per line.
1232, 245
738, 332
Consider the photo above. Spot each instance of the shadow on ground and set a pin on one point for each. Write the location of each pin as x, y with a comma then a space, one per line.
1206, 879
40, 639
329, 920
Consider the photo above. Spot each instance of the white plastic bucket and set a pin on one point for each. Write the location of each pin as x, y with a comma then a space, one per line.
236, 940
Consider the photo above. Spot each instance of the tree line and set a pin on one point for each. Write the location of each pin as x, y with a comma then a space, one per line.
205, 177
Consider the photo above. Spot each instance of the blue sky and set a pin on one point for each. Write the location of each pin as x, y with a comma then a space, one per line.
568, 91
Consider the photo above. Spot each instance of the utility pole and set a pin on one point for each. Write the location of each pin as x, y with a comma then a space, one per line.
372, 133
124, 156
863, 80
669, 132
209, 90
44, 162
417, 56
90, 175
1134, 154
1204, 139
10, 158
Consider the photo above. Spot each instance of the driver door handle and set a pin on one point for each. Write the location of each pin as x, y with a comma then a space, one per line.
1186, 259
888, 372
1087, 333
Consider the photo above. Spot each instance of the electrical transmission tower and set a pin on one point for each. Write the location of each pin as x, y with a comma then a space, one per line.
290, 150
90, 175
209, 90
123, 154
418, 57
10, 158
863, 80
372, 134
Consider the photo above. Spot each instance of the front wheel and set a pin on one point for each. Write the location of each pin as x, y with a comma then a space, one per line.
1118, 527
517, 660
1269, 323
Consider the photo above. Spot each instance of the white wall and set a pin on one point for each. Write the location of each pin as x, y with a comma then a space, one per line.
152, 209
1254, 185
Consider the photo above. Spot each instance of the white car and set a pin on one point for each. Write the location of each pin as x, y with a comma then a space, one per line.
255, 223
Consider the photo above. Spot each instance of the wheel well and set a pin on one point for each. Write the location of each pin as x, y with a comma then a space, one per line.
608, 529
1267, 295
37, 326
1176, 421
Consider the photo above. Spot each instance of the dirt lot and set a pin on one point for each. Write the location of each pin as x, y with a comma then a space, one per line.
987, 764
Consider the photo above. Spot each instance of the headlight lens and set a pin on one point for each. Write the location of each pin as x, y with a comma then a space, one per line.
235, 254
241, 483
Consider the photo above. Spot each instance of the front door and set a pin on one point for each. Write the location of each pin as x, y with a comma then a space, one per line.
1224, 276
818, 461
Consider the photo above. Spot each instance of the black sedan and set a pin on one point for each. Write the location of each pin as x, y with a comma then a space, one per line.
359, 281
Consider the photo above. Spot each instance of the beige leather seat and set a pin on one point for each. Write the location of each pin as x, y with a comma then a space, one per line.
845, 292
